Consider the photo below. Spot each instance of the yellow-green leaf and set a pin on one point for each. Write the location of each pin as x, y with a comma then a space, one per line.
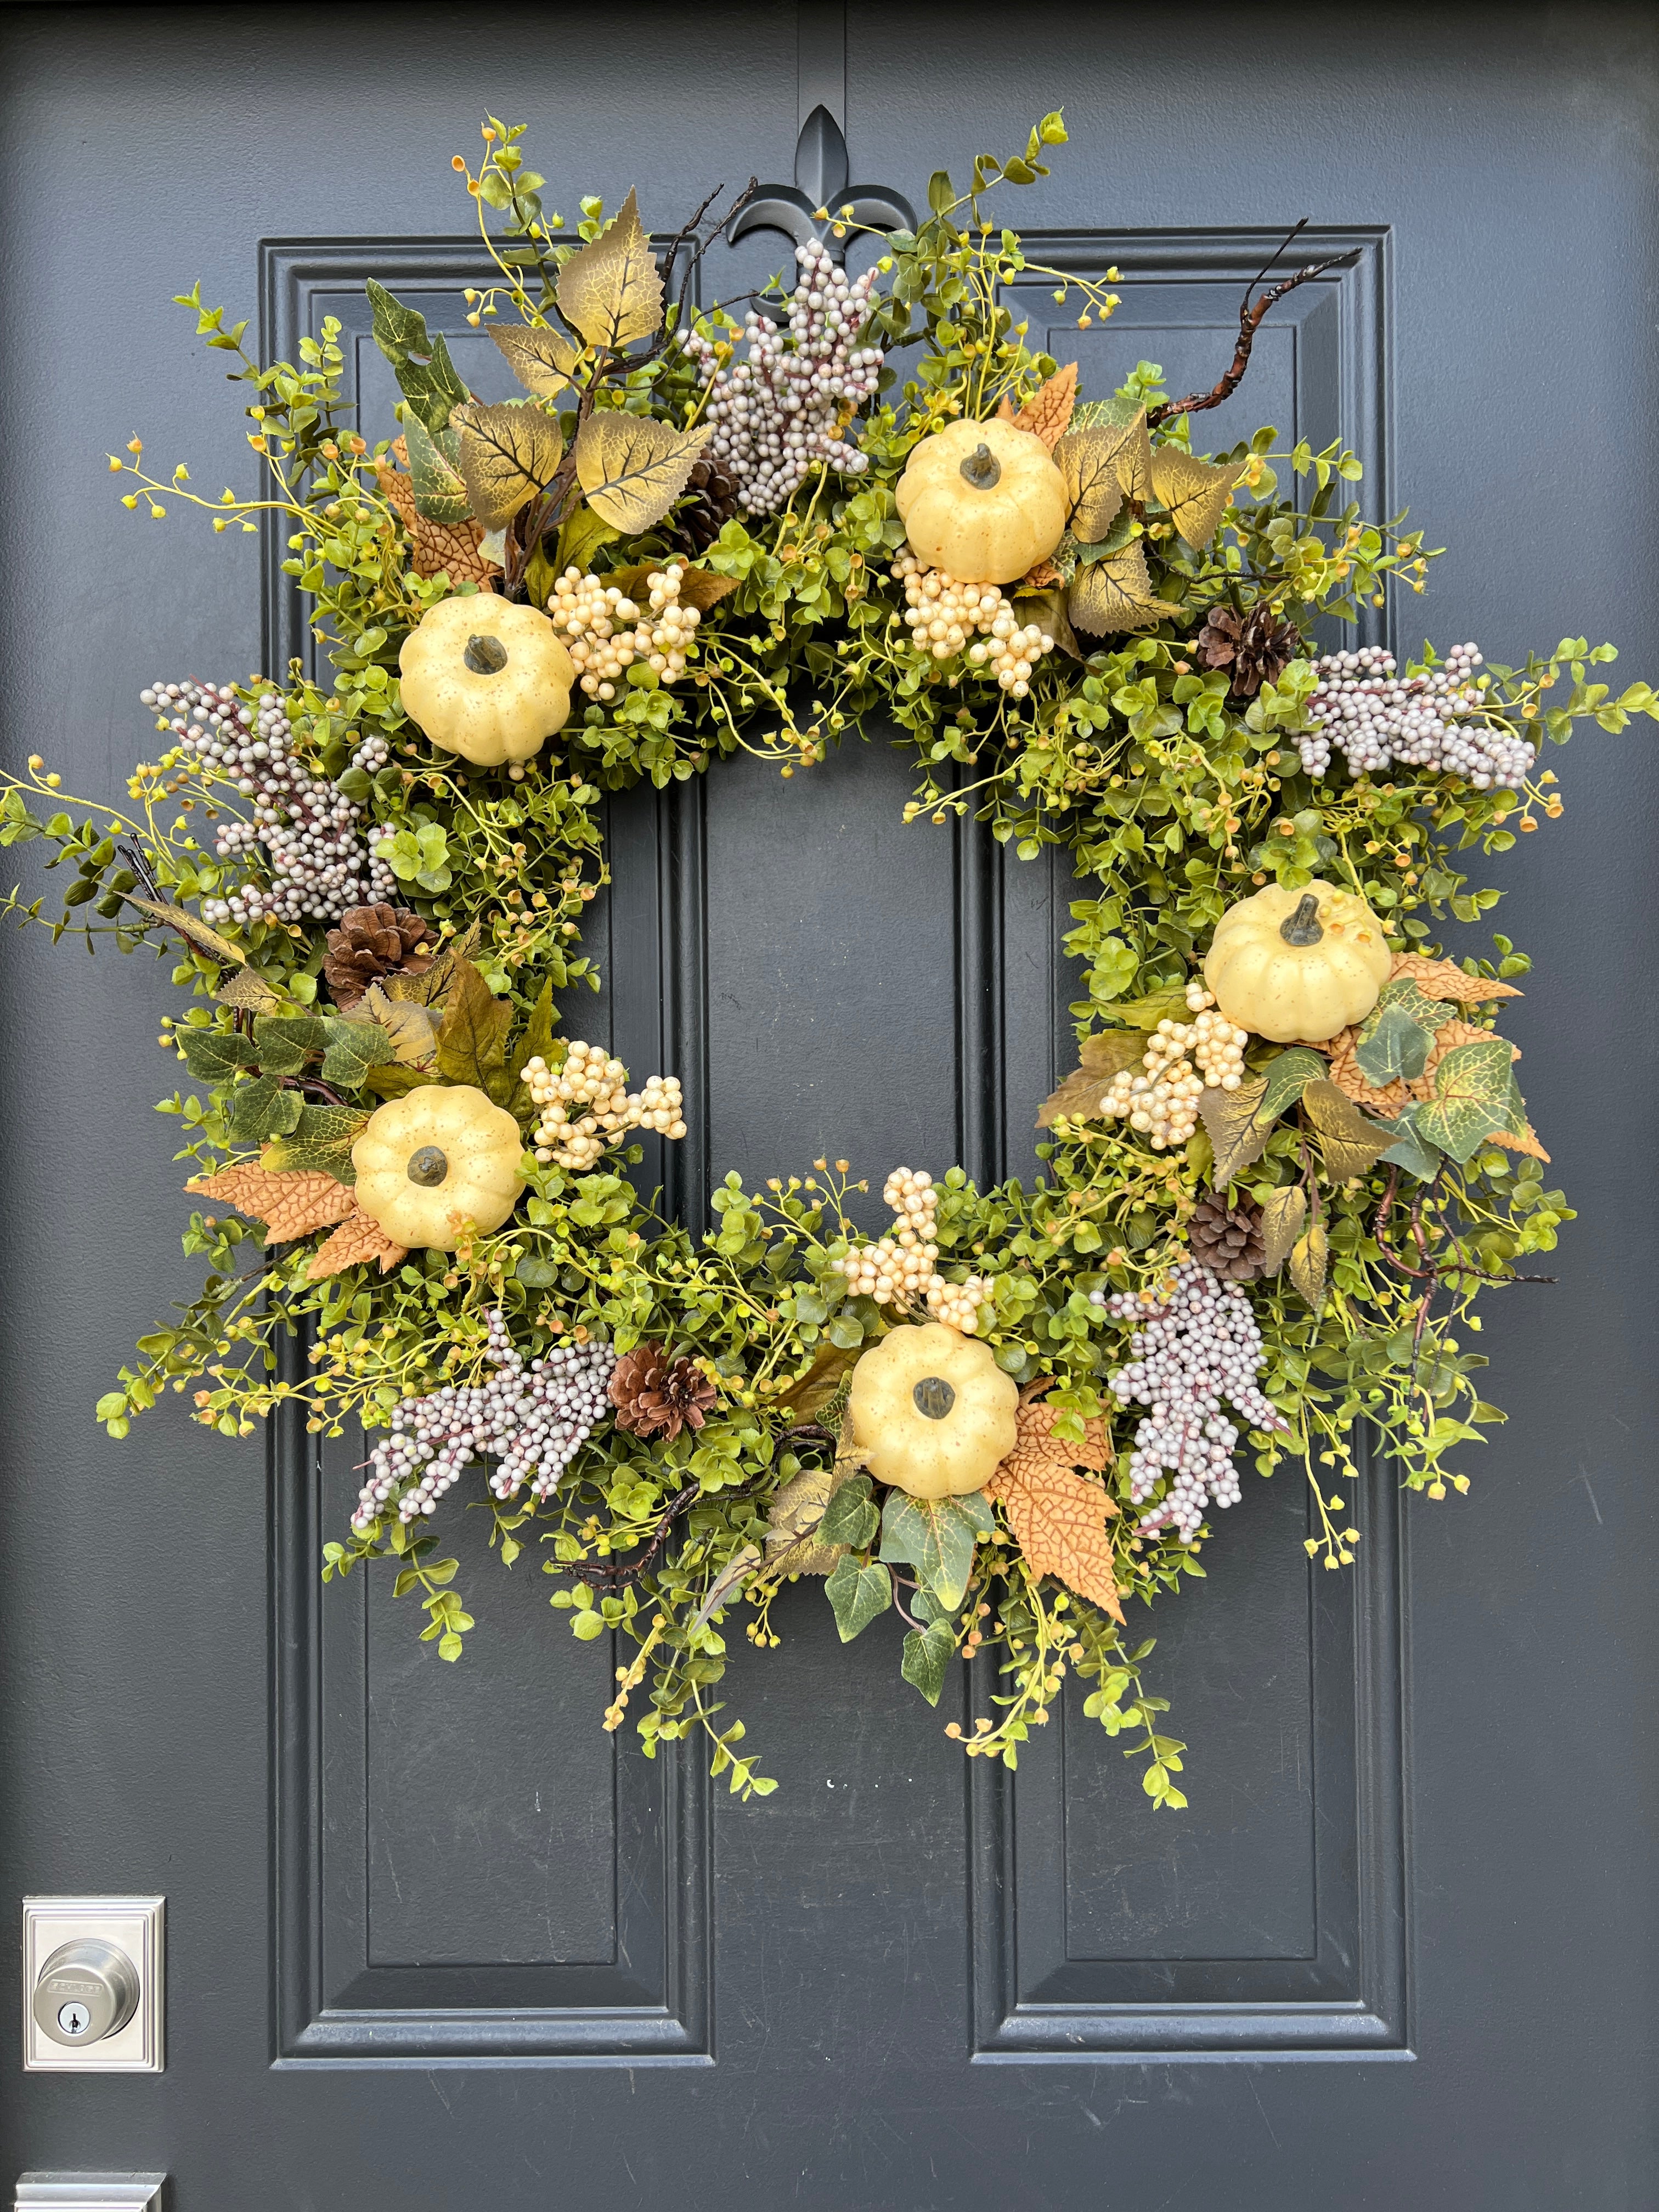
1349, 1144
194, 932
1309, 1258
1116, 594
1283, 1212
250, 991
1230, 1118
611, 291
821, 1382
1196, 492
1088, 459
634, 468
543, 360
507, 455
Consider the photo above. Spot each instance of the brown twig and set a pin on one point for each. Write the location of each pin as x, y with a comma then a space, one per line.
1250, 318
614, 1574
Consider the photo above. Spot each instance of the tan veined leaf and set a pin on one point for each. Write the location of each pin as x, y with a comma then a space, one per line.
433, 986
1196, 492
1134, 460
1049, 410
249, 991
194, 932
1116, 594
1348, 1143
412, 1028
1283, 1212
727, 1584
1089, 460
633, 468
1444, 979
508, 454
1058, 1517
356, 1241
542, 359
291, 1203
1309, 1261
1229, 1118
612, 291
1103, 1057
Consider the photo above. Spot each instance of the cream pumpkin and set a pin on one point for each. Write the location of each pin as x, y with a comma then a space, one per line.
1304, 964
983, 501
433, 1161
932, 1412
486, 678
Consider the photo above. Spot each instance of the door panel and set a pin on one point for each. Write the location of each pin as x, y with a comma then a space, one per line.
435, 1940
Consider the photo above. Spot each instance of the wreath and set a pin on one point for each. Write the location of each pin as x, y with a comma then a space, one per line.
1293, 1151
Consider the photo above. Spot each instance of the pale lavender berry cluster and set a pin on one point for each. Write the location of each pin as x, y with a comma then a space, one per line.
1197, 1348
532, 1418
1376, 716
317, 860
785, 408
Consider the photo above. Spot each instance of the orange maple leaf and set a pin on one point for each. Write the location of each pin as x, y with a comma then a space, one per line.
1058, 1515
1048, 411
358, 1240
452, 547
291, 1201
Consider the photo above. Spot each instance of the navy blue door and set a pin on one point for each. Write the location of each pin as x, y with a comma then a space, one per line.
437, 1943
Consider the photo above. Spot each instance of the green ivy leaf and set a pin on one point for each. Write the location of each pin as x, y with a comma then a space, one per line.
216, 1055
936, 1536
850, 1517
1473, 1097
1392, 1046
262, 1109
1409, 1152
321, 1142
857, 1595
927, 1654
285, 1043
351, 1048
434, 468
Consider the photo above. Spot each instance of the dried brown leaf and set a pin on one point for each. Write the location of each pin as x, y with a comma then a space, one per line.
1528, 1144
1048, 411
1038, 577
1057, 1515
356, 1241
291, 1201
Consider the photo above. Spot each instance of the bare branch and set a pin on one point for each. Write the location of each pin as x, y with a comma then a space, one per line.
1250, 318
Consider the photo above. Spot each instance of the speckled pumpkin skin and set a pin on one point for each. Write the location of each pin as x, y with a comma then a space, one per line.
982, 535
481, 1144
1292, 992
488, 716
902, 1445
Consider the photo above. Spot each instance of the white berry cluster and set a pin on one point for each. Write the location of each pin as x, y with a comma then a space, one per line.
1160, 1098
606, 632
586, 1105
785, 408
1198, 1346
903, 1267
1376, 716
531, 1418
317, 862
947, 617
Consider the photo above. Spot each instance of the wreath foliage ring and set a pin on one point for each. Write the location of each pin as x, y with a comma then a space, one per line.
1292, 1155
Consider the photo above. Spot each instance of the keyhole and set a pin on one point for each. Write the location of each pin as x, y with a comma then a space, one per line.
73, 2019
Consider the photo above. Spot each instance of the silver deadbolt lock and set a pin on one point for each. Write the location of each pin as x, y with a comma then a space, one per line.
85, 1991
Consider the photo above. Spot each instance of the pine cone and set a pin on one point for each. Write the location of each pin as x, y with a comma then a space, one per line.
654, 1398
1227, 1239
1254, 648
372, 941
712, 504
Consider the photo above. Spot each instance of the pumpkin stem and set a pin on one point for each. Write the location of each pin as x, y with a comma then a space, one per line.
427, 1167
485, 656
981, 469
1302, 928
933, 1396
